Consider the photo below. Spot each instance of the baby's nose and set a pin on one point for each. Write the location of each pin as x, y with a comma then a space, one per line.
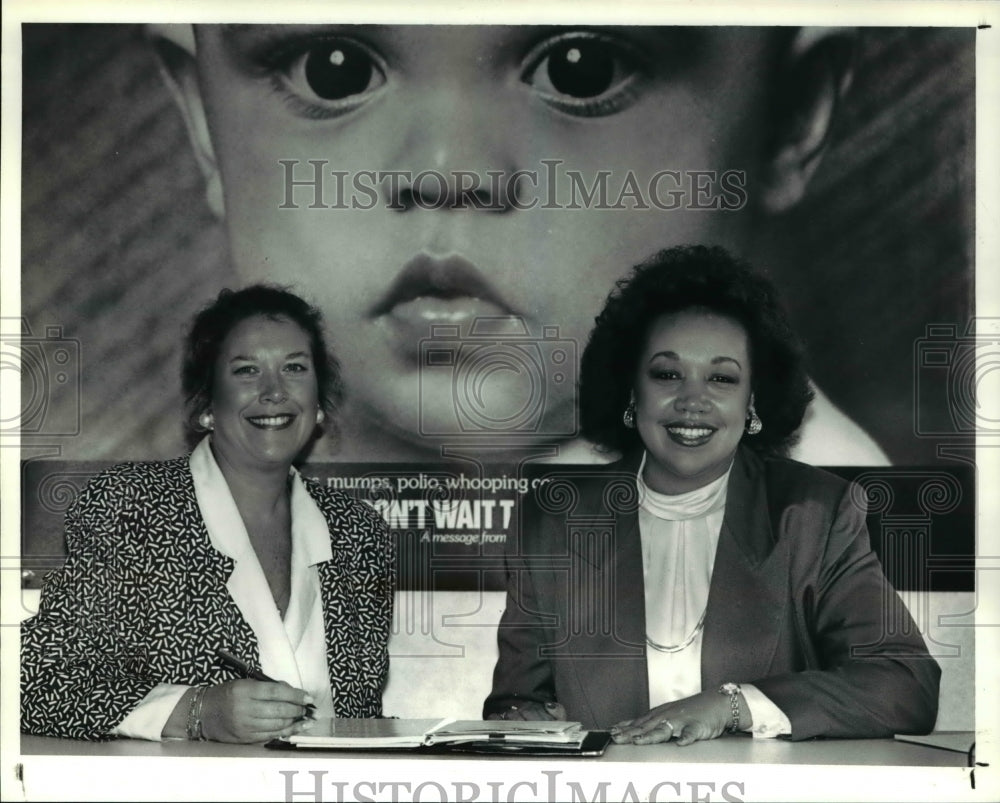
457, 151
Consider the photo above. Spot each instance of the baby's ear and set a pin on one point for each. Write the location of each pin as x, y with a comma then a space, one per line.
175, 49
813, 74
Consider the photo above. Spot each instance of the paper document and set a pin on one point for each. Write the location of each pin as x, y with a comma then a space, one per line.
410, 733
364, 733
470, 730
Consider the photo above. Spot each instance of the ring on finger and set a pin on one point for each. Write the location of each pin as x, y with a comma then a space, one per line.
669, 724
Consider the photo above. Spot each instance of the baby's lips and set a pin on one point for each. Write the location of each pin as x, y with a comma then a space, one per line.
442, 277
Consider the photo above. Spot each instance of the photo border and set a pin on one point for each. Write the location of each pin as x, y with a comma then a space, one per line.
118, 778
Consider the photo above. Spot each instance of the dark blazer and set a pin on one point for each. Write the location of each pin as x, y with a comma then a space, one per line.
142, 600
798, 606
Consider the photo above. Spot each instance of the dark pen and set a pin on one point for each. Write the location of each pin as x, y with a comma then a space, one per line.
254, 674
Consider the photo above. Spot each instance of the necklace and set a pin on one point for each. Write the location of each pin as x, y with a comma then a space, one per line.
687, 642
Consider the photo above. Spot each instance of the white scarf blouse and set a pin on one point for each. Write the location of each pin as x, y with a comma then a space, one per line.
679, 534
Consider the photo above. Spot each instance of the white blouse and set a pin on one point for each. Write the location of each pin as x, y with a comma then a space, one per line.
680, 535
292, 649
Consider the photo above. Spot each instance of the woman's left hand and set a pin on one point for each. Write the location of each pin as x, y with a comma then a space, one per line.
704, 716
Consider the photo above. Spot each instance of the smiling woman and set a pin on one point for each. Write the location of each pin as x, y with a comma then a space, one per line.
691, 398
262, 392
741, 592
226, 550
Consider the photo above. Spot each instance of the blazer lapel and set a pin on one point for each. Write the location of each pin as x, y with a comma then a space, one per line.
630, 612
740, 639
232, 632
606, 601
208, 574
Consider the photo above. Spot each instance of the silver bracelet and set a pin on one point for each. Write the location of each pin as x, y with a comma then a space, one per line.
733, 690
194, 732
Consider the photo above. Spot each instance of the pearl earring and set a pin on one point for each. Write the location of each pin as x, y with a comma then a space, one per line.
207, 421
320, 416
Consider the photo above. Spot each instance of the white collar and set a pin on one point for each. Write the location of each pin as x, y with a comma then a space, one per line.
292, 649
310, 532
689, 505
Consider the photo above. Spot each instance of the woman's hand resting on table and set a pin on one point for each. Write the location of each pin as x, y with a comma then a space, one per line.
706, 715
245, 711
530, 711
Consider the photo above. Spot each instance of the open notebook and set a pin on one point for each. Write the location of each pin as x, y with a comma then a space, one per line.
445, 735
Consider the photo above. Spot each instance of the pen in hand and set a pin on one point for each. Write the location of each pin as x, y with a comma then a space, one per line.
254, 674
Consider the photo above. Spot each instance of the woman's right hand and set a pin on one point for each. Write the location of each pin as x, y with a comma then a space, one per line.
248, 711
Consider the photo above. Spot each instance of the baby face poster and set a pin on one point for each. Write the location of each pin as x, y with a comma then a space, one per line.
459, 201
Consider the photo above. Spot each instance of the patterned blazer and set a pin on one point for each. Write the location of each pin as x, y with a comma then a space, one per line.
142, 600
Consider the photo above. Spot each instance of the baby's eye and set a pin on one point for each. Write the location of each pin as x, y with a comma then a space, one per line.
339, 69
329, 77
585, 73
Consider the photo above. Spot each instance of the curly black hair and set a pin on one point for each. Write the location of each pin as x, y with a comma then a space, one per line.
213, 324
673, 280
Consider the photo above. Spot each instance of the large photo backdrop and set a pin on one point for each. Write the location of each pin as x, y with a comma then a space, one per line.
459, 201
123, 242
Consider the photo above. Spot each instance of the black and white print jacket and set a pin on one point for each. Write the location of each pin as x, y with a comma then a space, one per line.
142, 600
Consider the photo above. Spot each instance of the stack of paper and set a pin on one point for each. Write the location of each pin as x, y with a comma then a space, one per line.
471, 730
364, 734
410, 733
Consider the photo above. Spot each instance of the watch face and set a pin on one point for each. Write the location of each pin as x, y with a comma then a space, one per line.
729, 688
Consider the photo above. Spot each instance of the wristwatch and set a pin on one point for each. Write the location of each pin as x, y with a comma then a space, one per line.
733, 690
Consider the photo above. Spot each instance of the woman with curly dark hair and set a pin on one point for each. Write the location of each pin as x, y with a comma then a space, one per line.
732, 589
685, 279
